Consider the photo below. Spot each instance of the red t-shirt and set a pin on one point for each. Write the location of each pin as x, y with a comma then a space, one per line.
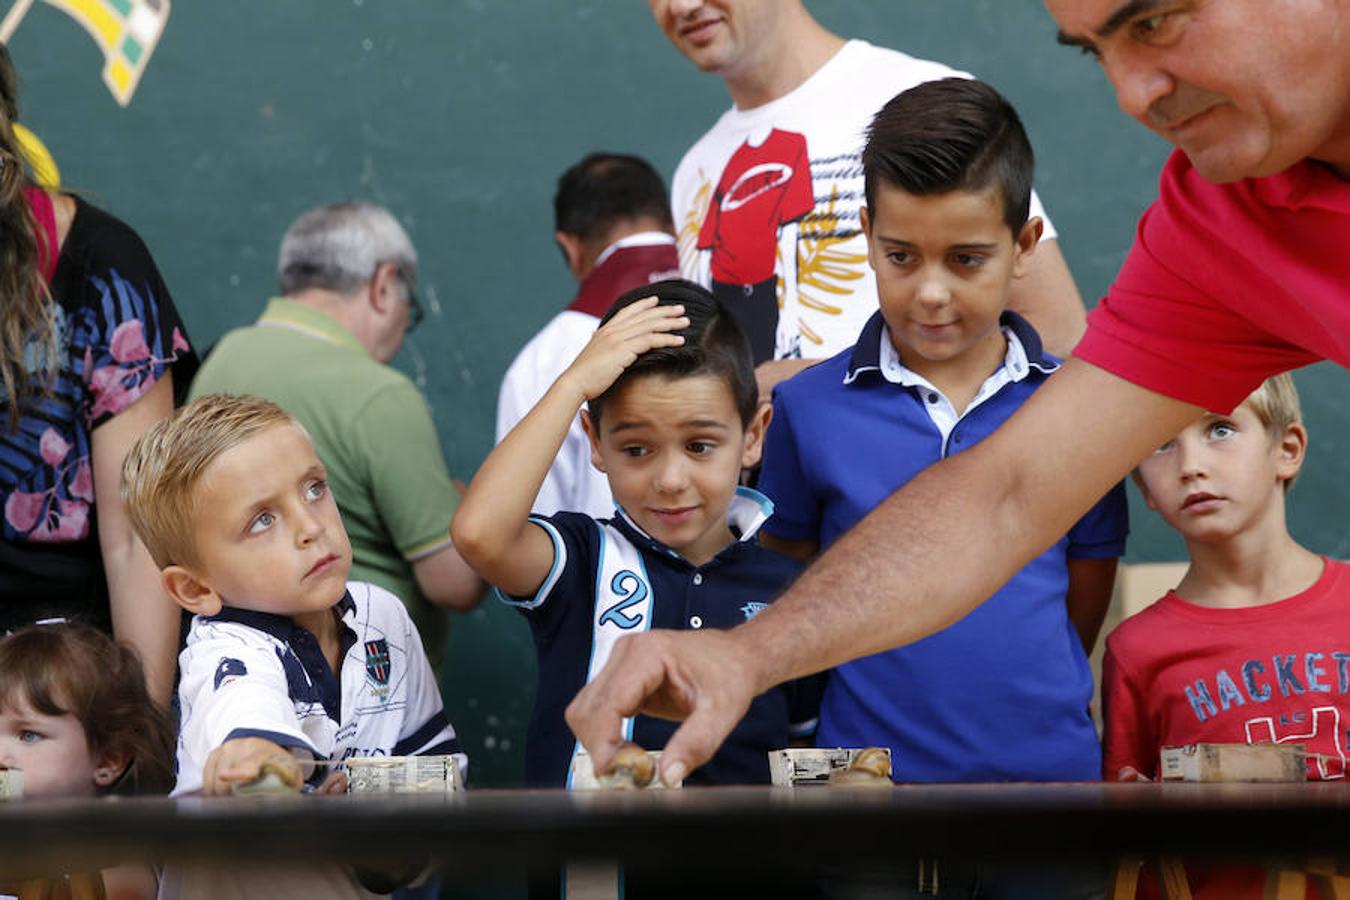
1178, 673
761, 189
1228, 284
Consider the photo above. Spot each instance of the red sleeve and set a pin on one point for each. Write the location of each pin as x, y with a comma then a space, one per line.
1173, 320
1127, 739
801, 193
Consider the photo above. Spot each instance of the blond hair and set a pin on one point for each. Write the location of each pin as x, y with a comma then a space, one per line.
1276, 404
161, 472
27, 308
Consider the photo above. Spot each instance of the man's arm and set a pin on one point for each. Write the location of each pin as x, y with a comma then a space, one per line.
1049, 299
1091, 582
919, 562
801, 549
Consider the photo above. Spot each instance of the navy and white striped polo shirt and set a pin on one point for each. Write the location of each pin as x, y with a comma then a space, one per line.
610, 579
258, 674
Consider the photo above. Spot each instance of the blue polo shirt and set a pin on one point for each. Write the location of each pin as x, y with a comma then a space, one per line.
609, 579
1002, 694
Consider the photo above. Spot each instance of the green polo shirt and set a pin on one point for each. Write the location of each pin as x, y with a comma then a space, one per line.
373, 431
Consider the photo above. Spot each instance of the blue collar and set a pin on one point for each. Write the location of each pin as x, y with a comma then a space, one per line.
748, 510
866, 355
303, 646
278, 626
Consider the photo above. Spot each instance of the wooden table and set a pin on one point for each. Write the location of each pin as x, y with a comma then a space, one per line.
788, 834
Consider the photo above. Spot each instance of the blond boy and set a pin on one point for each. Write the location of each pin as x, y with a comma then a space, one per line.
286, 660
1252, 646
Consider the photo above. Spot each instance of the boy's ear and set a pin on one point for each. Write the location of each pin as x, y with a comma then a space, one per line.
589, 427
1024, 245
1290, 450
865, 219
189, 591
754, 435
1143, 490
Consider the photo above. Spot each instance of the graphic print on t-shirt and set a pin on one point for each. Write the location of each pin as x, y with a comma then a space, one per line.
763, 187
1272, 697
737, 221
1319, 730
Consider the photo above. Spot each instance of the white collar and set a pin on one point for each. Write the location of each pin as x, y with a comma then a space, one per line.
641, 239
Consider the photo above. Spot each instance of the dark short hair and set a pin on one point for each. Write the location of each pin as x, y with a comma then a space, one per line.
713, 345
954, 134
605, 189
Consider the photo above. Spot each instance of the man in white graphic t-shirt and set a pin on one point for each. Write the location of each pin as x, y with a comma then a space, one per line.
766, 203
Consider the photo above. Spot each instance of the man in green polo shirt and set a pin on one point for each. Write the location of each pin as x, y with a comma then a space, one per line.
346, 274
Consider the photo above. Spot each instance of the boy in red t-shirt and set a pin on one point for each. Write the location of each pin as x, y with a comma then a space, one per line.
1253, 646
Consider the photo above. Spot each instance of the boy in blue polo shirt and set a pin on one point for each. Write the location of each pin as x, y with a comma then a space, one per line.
1002, 694
673, 415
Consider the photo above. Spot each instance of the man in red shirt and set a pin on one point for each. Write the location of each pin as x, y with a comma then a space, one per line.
1239, 271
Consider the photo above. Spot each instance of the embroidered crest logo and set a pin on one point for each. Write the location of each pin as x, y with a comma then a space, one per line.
753, 609
377, 662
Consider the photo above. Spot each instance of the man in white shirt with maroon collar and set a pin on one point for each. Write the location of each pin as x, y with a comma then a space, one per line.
612, 224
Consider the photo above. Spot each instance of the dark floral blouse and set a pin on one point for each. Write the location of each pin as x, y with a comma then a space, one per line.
117, 334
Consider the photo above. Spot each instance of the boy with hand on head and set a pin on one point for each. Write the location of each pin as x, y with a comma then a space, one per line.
673, 416
1251, 646
285, 660
1003, 693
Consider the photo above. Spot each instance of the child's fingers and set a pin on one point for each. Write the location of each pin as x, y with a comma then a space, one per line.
644, 316
333, 783
241, 771
642, 329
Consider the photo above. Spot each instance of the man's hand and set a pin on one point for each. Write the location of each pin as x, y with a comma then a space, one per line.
240, 761
702, 677
769, 374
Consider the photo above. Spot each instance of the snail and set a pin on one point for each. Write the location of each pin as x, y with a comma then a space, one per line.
632, 768
871, 767
278, 775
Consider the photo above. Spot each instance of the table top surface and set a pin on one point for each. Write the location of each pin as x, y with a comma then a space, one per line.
487, 828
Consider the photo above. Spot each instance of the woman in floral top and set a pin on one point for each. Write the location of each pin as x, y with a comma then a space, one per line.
90, 349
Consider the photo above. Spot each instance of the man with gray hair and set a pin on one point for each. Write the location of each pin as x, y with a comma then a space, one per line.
346, 274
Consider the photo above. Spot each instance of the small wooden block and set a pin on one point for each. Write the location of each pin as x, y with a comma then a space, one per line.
801, 766
436, 774
1234, 762
11, 784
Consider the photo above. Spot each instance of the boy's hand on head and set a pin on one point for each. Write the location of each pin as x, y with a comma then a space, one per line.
634, 330
241, 760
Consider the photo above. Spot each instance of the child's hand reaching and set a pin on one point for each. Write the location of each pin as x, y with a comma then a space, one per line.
635, 329
1130, 773
241, 760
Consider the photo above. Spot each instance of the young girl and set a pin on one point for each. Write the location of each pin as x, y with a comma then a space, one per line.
76, 718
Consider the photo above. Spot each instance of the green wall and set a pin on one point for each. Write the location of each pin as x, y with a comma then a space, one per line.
459, 115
